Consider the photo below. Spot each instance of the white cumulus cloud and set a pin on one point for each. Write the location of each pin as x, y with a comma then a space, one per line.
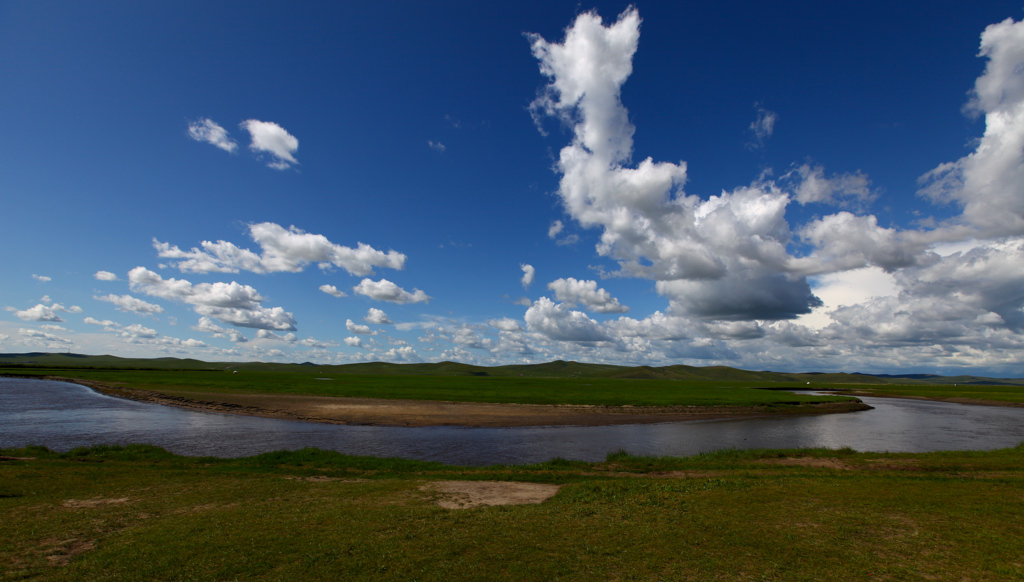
385, 290
333, 291
989, 183
282, 249
46, 312
649, 225
231, 303
104, 276
359, 328
555, 228
557, 322
374, 315
139, 331
586, 293
528, 274
271, 138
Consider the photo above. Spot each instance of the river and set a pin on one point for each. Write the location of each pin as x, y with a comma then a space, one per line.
63, 416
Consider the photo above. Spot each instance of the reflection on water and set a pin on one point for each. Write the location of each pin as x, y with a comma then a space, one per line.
63, 416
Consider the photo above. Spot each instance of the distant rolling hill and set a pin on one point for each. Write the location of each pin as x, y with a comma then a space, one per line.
556, 369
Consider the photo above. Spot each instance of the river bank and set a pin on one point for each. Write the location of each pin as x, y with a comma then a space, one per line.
420, 413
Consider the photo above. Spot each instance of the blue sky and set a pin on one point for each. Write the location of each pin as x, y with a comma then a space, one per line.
787, 186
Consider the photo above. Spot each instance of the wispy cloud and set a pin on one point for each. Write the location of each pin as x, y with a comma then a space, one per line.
761, 128
130, 304
208, 131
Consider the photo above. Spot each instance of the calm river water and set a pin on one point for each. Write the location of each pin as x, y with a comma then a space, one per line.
62, 416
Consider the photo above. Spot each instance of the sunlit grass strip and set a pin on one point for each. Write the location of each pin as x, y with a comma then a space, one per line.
525, 390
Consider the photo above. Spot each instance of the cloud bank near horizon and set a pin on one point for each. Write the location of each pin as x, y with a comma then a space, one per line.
793, 269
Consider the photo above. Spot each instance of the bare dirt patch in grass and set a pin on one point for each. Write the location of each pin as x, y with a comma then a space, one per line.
468, 494
202, 507
322, 479
823, 463
893, 465
688, 474
60, 552
90, 503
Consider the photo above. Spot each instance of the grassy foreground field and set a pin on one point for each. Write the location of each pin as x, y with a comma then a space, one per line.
139, 513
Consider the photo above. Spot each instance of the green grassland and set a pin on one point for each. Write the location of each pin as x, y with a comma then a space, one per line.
986, 393
527, 390
556, 382
140, 513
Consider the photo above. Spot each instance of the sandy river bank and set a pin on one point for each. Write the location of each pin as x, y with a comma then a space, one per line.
372, 411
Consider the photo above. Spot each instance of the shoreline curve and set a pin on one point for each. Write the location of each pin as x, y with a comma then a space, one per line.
421, 413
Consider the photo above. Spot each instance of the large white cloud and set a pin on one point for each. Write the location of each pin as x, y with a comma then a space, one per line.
283, 249
586, 293
649, 225
385, 290
40, 313
231, 303
657, 326
734, 256
937, 297
730, 263
558, 322
271, 138
989, 183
